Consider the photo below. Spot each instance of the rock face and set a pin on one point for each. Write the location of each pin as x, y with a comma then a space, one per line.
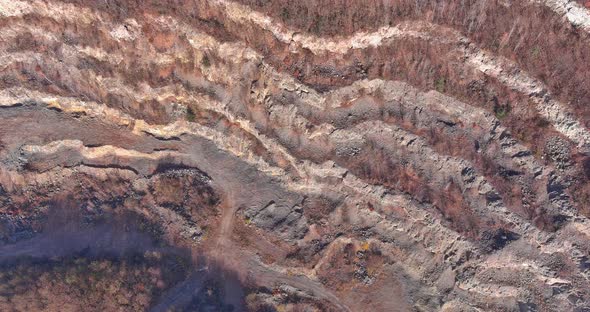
311, 155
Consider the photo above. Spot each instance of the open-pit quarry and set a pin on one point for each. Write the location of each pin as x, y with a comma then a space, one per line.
281, 155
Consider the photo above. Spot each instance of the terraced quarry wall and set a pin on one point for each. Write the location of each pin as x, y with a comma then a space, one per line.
315, 155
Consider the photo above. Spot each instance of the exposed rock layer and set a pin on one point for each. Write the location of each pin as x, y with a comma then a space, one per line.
319, 155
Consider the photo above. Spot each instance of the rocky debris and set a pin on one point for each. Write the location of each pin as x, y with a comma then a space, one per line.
288, 221
558, 151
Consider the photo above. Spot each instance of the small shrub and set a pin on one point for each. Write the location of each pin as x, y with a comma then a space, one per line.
285, 14
441, 84
190, 114
502, 111
543, 123
535, 51
205, 61
496, 45
315, 28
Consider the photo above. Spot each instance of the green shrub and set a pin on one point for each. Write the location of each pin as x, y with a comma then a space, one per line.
502, 111
285, 14
190, 115
205, 61
535, 51
441, 84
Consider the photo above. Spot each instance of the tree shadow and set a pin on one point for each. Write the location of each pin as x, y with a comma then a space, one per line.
209, 287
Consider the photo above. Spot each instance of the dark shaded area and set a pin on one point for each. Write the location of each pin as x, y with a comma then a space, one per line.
89, 282
210, 288
79, 260
165, 167
494, 240
68, 231
69, 247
